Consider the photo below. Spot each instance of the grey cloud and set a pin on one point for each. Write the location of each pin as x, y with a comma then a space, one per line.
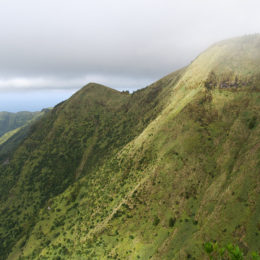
21, 84
123, 44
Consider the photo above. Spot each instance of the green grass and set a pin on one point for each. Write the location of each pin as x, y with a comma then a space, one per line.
19, 124
7, 135
12, 121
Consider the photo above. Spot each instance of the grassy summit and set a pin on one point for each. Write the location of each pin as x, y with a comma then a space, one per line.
151, 175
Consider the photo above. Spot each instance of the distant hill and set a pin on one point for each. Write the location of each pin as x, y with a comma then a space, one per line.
149, 175
10, 121
16, 127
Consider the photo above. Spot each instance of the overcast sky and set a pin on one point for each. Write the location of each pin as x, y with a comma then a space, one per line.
51, 48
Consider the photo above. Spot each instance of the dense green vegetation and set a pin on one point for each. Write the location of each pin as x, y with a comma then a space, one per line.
11, 121
19, 124
229, 251
149, 175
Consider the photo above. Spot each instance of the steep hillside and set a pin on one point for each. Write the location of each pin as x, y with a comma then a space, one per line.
21, 122
11, 121
151, 175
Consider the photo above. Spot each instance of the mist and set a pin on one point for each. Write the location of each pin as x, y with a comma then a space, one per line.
50, 49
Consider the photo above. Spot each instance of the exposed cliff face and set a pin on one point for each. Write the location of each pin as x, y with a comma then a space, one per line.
149, 175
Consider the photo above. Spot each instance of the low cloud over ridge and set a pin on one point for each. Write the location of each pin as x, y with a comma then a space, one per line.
63, 45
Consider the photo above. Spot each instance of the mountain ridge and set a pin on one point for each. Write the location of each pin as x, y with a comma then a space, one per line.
10, 121
148, 175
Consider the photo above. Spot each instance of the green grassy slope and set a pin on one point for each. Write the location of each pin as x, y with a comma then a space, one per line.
151, 175
7, 135
10, 140
11, 121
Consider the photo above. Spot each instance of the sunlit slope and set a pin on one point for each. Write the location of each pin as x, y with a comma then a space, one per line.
195, 179
233, 63
164, 169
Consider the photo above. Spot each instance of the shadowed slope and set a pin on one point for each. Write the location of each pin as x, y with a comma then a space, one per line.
11, 121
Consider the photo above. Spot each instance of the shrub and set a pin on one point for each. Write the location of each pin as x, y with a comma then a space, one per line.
228, 252
208, 247
156, 221
252, 122
172, 222
195, 222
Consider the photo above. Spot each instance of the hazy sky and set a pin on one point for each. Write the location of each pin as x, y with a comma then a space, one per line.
51, 48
